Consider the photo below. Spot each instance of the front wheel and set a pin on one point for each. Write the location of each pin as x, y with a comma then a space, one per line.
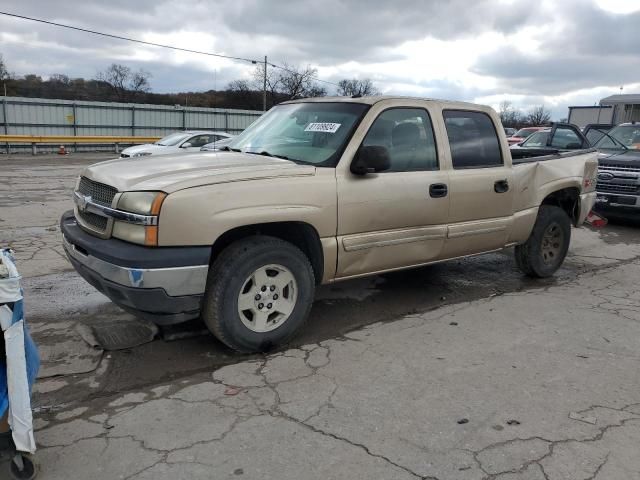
545, 250
259, 293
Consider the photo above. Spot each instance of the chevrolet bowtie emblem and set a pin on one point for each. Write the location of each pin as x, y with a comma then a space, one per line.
82, 201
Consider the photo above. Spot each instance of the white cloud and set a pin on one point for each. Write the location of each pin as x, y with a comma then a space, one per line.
619, 6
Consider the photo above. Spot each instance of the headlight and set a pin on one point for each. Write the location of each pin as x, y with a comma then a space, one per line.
141, 154
142, 203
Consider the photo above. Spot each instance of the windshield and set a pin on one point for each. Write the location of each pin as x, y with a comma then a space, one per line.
620, 137
172, 139
524, 132
537, 139
313, 133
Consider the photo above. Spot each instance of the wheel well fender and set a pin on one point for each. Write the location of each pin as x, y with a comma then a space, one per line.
568, 199
301, 234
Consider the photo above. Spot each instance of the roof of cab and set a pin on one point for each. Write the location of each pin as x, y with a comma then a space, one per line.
380, 98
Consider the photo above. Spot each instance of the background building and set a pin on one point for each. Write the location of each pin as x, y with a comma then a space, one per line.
614, 109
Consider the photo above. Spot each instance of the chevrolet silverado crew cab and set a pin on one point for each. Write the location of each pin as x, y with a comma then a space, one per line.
314, 192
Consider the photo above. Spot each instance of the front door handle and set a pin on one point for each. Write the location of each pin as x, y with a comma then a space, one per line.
438, 190
501, 186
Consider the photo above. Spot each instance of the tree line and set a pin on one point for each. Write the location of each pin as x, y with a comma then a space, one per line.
120, 83
513, 118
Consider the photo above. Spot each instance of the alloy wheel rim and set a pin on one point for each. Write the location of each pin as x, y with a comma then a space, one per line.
552, 241
267, 298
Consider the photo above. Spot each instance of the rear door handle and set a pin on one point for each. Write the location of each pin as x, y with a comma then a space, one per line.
438, 190
501, 186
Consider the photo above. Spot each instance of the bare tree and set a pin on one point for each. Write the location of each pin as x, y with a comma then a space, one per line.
297, 82
288, 82
242, 94
125, 83
240, 86
509, 116
4, 72
354, 87
539, 115
60, 78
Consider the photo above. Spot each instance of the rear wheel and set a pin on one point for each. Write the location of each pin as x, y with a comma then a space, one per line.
259, 293
545, 250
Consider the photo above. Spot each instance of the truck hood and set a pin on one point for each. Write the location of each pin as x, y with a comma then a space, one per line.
170, 173
629, 157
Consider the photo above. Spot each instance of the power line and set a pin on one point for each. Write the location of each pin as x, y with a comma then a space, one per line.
118, 37
153, 44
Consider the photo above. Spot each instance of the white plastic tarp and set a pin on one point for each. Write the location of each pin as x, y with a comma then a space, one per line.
20, 415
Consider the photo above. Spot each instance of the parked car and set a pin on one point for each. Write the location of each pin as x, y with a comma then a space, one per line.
317, 191
217, 144
523, 133
619, 170
510, 131
179, 142
561, 137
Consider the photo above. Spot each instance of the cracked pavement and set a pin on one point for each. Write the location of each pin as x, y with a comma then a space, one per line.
508, 380
547, 379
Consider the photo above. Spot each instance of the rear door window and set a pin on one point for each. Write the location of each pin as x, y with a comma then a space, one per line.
473, 139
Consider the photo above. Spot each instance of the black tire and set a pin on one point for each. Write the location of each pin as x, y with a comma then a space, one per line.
227, 276
532, 257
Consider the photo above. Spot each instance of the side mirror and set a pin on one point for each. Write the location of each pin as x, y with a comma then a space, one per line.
186, 145
371, 159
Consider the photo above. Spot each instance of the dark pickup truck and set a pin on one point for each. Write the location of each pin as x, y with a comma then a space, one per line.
618, 185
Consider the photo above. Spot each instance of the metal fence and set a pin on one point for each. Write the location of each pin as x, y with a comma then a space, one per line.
39, 116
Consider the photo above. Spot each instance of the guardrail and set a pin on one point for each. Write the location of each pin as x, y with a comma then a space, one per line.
36, 140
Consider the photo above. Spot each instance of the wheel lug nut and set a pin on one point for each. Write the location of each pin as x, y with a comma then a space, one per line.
258, 297
261, 305
264, 288
272, 288
275, 296
269, 305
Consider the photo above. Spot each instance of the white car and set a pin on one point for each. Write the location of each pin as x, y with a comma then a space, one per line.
218, 144
179, 142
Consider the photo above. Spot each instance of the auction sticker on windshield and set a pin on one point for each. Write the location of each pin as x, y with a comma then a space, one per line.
323, 127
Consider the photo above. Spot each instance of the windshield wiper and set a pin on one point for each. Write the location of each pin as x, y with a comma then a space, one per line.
229, 149
264, 153
615, 140
267, 154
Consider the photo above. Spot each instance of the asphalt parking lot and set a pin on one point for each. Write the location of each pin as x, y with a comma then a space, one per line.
461, 370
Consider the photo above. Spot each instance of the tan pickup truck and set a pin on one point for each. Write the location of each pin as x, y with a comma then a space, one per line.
314, 192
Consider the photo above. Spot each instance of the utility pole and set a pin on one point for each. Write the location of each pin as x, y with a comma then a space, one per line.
264, 86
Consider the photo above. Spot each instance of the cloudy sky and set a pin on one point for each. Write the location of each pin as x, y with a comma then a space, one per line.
552, 52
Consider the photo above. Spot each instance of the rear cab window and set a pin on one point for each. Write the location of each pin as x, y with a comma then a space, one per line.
473, 139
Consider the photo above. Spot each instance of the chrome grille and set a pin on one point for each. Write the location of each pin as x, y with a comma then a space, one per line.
616, 188
96, 221
619, 168
99, 192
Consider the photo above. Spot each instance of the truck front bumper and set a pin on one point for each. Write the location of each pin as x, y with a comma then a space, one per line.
162, 284
607, 201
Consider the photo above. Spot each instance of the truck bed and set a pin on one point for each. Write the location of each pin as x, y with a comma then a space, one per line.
527, 155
